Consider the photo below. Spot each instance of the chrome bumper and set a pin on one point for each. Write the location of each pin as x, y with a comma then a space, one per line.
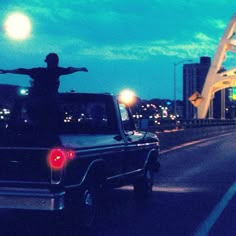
31, 199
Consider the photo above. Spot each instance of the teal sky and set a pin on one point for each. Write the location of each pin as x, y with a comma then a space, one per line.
123, 43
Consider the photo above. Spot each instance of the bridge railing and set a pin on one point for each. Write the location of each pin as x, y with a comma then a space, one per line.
167, 124
173, 133
205, 122
178, 137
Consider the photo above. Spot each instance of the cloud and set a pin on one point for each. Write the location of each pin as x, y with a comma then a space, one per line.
203, 37
116, 30
217, 23
201, 44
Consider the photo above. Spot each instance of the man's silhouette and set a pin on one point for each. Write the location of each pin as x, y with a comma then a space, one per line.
45, 81
42, 105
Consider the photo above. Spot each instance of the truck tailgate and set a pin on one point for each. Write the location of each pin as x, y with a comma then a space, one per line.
24, 164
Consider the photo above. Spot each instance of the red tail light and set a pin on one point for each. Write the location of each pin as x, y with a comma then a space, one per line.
70, 154
57, 158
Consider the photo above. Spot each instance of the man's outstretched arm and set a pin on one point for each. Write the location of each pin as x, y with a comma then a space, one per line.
70, 70
74, 69
20, 71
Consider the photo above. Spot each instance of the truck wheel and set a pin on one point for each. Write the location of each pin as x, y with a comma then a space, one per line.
143, 186
88, 206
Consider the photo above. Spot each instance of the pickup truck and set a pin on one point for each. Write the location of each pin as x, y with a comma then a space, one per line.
58, 154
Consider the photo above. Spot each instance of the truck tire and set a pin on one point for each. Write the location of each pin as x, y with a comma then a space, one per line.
88, 206
82, 207
143, 185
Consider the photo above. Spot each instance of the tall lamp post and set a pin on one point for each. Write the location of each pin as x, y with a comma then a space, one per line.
175, 65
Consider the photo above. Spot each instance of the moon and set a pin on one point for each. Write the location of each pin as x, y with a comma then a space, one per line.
18, 26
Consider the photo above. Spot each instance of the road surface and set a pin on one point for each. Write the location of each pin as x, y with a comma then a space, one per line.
194, 194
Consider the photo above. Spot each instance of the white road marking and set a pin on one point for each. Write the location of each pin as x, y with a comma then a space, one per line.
205, 227
208, 223
192, 143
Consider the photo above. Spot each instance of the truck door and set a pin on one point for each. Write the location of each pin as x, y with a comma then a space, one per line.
135, 151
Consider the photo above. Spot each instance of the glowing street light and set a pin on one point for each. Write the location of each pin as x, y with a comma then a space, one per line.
127, 97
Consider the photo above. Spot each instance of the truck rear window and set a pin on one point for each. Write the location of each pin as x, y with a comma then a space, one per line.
66, 114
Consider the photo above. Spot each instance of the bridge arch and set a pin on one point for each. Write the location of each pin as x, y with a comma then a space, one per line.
216, 80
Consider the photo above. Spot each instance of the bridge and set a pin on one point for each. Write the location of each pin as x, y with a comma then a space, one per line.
218, 79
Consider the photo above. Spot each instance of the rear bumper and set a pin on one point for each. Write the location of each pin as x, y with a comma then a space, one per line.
31, 199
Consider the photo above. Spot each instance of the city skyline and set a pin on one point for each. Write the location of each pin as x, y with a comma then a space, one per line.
123, 44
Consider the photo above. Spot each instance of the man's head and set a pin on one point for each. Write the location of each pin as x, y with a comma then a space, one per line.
52, 59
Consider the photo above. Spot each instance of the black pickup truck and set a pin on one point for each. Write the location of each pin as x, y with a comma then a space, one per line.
58, 153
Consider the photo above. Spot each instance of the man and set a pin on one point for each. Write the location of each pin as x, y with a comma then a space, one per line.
42, 105
45, 81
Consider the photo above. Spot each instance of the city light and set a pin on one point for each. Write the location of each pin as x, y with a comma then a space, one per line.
4, 114
23, 91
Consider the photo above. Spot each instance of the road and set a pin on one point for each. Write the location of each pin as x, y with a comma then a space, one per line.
194, 194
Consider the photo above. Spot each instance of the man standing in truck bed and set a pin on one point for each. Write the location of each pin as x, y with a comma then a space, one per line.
43, 104
45, 81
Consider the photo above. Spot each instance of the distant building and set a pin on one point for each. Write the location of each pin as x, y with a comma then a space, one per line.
194, 76
8, 94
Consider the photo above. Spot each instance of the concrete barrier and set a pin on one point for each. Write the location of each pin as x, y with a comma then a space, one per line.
177, 137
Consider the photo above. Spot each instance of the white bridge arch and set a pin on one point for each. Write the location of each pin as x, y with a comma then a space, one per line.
215, 79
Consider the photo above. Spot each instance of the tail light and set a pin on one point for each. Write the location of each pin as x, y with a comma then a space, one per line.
57, 158
70, 154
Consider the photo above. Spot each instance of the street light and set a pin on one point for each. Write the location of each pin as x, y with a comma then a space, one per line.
176, 64
127, 97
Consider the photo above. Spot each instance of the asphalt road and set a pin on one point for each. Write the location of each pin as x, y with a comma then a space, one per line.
194, 194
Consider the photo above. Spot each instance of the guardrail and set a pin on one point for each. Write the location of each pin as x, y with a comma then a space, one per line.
167, 124
176, 137
172, 133
206, 122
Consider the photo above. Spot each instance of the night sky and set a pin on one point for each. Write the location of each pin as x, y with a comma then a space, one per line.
123, 43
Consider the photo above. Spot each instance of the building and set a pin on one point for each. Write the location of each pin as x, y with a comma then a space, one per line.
194, 76
8, 94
